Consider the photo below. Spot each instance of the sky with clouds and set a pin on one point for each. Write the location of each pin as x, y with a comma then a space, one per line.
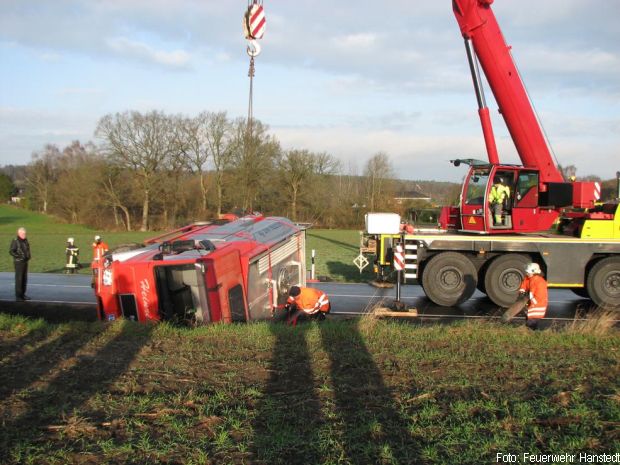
350, 78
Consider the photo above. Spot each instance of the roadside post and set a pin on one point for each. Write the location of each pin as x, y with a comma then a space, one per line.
399, 266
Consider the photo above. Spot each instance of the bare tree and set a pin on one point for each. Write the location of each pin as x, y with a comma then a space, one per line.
319, 198
140, 143
169, 179
255, 154
377, 173
568, 171
192, 140
75, 190
219, 137
297, 167
42, 174
117, 192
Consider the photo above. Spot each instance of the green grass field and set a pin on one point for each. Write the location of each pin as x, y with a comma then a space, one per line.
335, 249
48, 238
342, 392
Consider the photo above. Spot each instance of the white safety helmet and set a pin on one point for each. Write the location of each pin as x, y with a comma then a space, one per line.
70, 241
97, 238
532, 268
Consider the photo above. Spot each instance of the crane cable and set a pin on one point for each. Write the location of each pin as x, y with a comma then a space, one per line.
254, 23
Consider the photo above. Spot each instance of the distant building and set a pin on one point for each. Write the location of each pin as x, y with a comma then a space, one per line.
410, 195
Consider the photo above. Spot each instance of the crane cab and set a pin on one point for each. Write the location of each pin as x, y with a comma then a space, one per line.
503, 199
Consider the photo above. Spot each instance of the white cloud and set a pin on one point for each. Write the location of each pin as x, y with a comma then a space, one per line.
140, 50
50, 57
80, 91
585, 61
417, 155
395, 59
355, 42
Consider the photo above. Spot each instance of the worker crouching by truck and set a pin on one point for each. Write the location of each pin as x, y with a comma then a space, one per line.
306, 303
534, 289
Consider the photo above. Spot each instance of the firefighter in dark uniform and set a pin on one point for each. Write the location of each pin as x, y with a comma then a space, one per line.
20, 251
72, 253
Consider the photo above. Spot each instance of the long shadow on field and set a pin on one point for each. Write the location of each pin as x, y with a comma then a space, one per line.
373, 429
289, 415
69, 389
20, 372
10, 347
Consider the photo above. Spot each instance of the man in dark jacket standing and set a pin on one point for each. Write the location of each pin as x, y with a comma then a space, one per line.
20, 251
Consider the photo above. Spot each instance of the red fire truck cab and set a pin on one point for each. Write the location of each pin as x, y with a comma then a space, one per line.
234, 272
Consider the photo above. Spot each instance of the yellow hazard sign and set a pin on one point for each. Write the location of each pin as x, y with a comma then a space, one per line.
472, 220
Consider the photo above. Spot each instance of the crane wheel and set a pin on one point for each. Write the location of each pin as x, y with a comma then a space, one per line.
503, 278
603, 283
449, 279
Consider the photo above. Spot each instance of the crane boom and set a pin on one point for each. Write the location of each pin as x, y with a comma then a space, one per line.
481, 29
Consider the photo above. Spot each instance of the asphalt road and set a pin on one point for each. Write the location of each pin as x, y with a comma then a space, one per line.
59, 296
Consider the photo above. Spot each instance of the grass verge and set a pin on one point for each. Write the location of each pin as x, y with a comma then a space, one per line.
351, 392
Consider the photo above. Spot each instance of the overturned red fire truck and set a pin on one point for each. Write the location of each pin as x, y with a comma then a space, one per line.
206, 272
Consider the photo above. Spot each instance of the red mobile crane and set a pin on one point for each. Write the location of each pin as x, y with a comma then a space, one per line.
539, 188
470, 252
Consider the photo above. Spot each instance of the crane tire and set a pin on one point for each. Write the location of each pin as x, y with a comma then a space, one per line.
449, 279
603, 283
503, 278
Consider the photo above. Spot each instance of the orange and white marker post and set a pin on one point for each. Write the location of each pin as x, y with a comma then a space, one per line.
399, 266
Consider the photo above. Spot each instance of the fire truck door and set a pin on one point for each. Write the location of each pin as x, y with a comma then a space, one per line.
225, 285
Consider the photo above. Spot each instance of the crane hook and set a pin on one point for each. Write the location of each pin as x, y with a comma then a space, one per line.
253, 48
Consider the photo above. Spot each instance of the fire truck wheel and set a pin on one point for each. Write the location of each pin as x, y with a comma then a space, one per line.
449, 279
503, 278
603, 283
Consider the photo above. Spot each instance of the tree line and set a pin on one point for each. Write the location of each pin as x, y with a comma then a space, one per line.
154, 171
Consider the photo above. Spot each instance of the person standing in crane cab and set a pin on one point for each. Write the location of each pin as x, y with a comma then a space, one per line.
534, 287
307, 302
498, 198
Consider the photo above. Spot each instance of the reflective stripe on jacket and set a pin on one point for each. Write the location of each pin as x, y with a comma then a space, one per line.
310, 300
536, 287
99, 250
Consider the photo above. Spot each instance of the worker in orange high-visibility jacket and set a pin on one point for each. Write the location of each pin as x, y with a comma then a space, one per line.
307, 302
100, 248
534, 287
